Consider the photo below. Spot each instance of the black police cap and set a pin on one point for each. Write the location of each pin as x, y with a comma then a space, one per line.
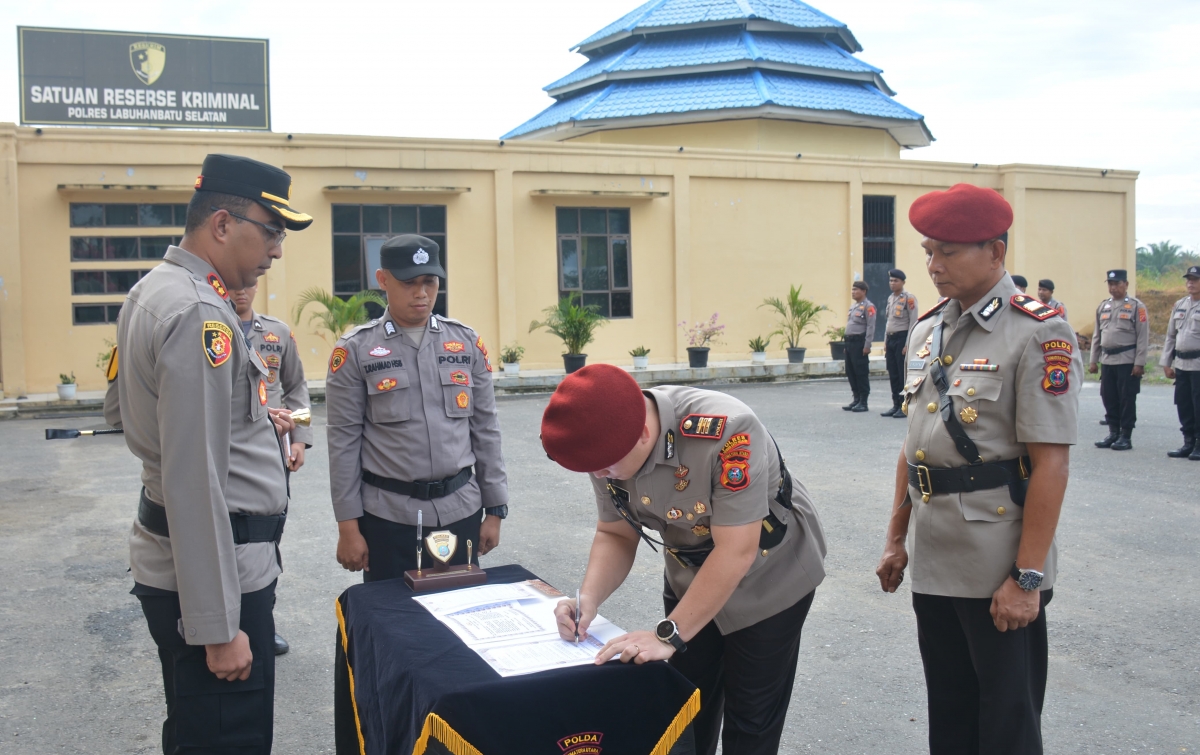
1192, 272
409, 256
1019, 280
1117, 275
1046, 283
265, 184
896, 272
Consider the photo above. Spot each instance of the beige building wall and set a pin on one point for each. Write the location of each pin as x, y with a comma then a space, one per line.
711, 230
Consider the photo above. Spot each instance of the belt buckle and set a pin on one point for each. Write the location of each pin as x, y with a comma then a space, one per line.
675, 555
924, 482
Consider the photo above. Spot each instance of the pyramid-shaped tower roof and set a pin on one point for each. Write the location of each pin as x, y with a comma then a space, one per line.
686, 61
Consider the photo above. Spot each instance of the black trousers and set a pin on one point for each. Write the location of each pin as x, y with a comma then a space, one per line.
858, 367
744, 677
985, 687
1119, 390
892, 349
207, 715
392, 547
1187, 401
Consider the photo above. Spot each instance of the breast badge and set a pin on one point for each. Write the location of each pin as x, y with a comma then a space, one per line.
700, 530
379, 351
271, 376
262, 392
218, 342
645, 500
968, 415
458, 377
273, 360
682, 471
270, 338
454, 347
674, 514
386, 384
682, 485
700, 507
462, 399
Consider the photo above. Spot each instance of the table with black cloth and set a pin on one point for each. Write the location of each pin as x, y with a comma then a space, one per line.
404, 684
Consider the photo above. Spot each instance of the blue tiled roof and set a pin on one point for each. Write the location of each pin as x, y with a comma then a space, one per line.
721, 91
668, 13
716, 46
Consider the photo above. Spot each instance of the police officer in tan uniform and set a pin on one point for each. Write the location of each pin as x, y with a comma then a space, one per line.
1181, 361
204, 549
860, 331
412, 425
992, 400
743, 546
1119, 344
1046, 295
901, 317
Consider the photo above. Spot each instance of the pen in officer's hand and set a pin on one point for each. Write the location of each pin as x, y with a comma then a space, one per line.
577, 616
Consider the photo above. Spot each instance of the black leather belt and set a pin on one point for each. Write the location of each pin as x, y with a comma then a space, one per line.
247, 528
855, 337
1013, 473
425, 491
1117, 349
1188, 354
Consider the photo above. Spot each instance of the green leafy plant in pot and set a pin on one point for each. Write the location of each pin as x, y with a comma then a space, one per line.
66, 386
758, 349
510, 358
334, 316
575, 324
641, 357
797, 318
837, 342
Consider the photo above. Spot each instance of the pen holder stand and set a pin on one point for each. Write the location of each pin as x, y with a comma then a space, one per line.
442, 577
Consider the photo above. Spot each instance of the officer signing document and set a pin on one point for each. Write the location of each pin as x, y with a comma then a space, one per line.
204, 550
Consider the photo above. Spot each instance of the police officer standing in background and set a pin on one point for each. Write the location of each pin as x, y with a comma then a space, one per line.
1046, 295
412, 425
901, 317
744, 548
204, 549
1020, 282
860, 331
272, 340
1181, 361
992, 398
1119, 345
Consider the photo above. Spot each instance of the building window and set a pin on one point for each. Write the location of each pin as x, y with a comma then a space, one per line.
879, 252
360, 230
89, 248
593, 258
95, 314
84, 215
84, 282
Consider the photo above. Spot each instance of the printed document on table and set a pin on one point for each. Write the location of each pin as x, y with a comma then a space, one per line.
512, 626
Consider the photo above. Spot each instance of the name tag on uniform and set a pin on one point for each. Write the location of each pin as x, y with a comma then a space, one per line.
916, 364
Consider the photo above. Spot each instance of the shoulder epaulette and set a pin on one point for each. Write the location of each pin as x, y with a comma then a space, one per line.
358, 329
711, 426
1032, 307
934, 309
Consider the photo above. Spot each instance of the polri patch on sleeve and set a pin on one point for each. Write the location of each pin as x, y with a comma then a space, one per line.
1141, 314
1032, 307
218, 342
337, 359
703, 426
214, 280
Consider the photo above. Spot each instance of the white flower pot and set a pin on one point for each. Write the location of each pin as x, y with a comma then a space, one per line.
512, 368
758, 357
641, 363
66, 392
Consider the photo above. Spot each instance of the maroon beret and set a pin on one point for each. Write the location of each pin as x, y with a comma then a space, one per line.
594, 418
962, 214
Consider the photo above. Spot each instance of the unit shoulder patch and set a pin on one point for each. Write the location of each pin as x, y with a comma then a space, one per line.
934, 309
1032, 307
218, 342
337, 359
703, 426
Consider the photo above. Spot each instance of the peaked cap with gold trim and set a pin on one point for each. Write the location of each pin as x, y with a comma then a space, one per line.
265, 184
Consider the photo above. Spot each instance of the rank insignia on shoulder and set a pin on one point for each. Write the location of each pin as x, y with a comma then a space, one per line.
934, 309
379, 351
454, 347
1032, 307
271, 338
214, 280
700, 530
991, 309
458, 377
682, 472
262, 392
462, 399
386, 384
700, 426
682, 485
218, 342
337, 359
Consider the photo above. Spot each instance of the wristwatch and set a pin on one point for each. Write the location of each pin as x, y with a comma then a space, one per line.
1027, 579
500, 511
668, 633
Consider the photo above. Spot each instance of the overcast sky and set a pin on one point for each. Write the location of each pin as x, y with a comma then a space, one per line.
1097, 83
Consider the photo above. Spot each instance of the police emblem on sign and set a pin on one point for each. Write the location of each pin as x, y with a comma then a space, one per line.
148, 60
442, 545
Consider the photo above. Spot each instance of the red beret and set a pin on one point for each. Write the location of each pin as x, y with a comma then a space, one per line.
594, 418
962, 214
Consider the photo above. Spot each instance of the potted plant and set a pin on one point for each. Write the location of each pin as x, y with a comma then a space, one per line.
837, 342
510, 358
336, 315
758, 349
797, 317
641, 357
66, 387
700, 336
575, 324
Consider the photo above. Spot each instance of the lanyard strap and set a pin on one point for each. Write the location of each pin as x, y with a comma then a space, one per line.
966, 447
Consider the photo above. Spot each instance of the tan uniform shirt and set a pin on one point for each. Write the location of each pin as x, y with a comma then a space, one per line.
286, 386
1058, 307
413, 412
964, 544
861, 320
901, 313
1121, 323
686, 487
194, 408
1183, 334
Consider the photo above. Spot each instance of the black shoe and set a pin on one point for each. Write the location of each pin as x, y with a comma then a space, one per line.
281, 645
1113, 435
1184, 451
1123, 443
861, 407
850, 407
1104, 422
890, 412
1195, 456
900, 414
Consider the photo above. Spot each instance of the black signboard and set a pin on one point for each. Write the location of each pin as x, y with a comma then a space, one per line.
107, 78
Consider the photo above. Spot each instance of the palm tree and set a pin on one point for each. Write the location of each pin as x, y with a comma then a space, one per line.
1158, 257
337, 315
797, 315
